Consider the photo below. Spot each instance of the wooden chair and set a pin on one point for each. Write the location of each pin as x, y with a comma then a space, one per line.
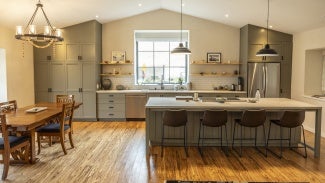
9, 106
64, 98
58, 129
19, 146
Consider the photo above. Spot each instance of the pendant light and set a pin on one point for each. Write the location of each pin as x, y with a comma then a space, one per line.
181, 49
267, 51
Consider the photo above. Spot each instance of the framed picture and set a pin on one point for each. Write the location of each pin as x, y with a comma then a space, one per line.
118, 56
213, 57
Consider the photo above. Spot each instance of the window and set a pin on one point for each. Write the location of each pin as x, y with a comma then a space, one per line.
154, 62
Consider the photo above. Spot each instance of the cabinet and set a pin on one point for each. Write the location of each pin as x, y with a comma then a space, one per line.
252, 39
111, 107
71, 67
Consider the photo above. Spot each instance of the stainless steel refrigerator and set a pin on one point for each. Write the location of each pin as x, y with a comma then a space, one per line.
265, 77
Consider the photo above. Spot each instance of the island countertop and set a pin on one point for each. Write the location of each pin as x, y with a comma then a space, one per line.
263, 103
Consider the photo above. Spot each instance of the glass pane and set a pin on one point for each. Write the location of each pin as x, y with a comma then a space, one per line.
145, 75
145, 59
177, 60
177, 75
161, 46
145, 46
173, 45
161, 58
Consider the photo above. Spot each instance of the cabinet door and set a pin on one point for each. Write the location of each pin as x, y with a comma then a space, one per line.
279, 49
88, 77
42, 82
58, 52
43, 54
57, 78
285, 90
73, 52
89, 104
74, 84
87, 52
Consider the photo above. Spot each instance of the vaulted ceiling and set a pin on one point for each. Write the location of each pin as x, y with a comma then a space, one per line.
289, 16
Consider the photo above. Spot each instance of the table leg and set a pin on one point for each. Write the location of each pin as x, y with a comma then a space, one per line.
32, 146
147, 130
318, 122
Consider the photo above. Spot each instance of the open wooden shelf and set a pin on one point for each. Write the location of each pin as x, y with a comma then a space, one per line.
110, 63
116, 75
219, 75
203, 63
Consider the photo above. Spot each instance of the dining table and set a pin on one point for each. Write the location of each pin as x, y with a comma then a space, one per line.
27, 119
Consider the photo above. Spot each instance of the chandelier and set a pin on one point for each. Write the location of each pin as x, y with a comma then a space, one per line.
39, 40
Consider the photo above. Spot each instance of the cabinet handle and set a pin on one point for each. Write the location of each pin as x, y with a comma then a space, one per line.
111, 114
281, 57
281, 90
49, 90
111, 95
49, 58
111, 107
111, 101
79, 57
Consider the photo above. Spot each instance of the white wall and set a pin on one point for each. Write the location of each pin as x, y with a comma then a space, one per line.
312, 39
3, 75
20, 71
205, 36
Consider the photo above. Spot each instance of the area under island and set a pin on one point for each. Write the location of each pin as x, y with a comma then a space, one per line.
273, 106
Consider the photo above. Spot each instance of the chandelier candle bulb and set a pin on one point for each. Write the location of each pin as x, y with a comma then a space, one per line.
58, 32
47, 30
19, 30
32, 29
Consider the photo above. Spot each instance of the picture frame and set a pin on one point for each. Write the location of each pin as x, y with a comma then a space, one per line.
214, 57
118, 56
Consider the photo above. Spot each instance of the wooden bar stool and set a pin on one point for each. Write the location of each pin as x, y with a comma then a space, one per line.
215, 119
174, 118
250, 119
289, 119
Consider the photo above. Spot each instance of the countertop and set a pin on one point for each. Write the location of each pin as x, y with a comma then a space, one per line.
145, 91
263, 103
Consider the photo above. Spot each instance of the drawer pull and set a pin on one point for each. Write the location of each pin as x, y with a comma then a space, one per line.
111, 101
111, 114
111, 107
111, 95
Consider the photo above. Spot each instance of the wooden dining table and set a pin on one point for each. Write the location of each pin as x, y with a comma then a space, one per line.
25, 121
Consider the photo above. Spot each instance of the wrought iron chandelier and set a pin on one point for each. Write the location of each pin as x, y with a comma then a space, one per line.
39, 40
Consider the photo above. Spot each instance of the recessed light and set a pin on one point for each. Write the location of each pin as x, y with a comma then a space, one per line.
270, 26
97, 16
139, 4
226, 15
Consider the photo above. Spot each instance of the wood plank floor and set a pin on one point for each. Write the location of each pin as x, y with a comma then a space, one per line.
115, 152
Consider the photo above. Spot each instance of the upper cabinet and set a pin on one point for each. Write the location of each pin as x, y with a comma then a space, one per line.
55, 52
81, 52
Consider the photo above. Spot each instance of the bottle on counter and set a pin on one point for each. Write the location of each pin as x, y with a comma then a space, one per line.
257, 95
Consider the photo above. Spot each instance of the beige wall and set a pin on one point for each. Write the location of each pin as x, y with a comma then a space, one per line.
205, 36
312, 39
20, 71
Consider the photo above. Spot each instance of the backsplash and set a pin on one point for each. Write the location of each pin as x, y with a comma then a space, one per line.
198, 83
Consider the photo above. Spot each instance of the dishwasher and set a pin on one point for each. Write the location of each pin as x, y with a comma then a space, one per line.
135, 105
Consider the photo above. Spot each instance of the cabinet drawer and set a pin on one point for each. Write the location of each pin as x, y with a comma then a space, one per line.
111, 107
116, 114
110, 98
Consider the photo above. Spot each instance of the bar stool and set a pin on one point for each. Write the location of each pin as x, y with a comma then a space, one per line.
174, 118
289, 119
214, 119
250, 119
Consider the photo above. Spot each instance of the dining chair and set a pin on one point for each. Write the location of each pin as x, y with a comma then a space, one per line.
19, 146
250, 119
8, 106
64, 98
289, 120
59, 129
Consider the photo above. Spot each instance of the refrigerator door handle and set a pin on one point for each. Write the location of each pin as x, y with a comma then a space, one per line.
264, 80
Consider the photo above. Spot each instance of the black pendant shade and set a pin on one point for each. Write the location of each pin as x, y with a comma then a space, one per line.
181, 50
267, 51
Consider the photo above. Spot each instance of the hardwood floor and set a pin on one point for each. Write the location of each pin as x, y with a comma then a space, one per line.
115, 152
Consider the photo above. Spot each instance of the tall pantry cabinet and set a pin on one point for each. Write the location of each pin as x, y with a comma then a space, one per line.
252, 39
71, 67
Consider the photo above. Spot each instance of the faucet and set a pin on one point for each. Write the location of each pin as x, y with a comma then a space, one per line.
162, 87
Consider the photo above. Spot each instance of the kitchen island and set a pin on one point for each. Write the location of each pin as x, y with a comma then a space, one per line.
274, 107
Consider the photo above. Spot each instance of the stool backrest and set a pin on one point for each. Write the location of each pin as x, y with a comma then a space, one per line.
253, 118
214, 118
175, 118
8, 106
292, 118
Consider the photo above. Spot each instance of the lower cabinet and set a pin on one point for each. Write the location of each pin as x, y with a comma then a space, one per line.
110, 106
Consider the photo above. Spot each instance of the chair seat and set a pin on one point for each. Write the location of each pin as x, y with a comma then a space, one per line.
13, 141
53, 127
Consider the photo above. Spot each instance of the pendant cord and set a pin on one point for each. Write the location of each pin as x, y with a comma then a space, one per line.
267, 22
181, 19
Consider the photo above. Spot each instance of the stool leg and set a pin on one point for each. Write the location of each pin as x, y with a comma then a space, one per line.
198, 142
241, 140
227, 152
233, 135
220, 135
268, 136
290, 138
303, 134
162, 141
265, 142
281, 137
185, 141
255, 137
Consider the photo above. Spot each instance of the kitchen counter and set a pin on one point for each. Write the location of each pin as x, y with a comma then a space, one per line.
171, 91
273, 106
